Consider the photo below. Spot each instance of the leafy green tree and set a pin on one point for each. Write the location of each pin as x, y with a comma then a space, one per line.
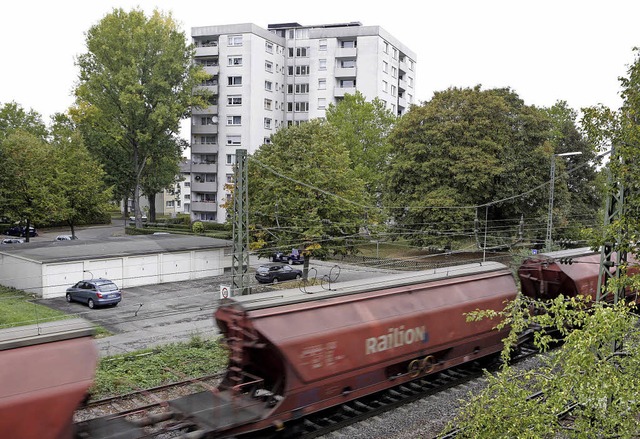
584, 374
162, 173
472, 153
13, 116
136, 82
29, 190
364, 128
78, 175
583, 199
303, 192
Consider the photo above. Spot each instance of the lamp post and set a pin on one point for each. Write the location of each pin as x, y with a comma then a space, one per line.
552, 179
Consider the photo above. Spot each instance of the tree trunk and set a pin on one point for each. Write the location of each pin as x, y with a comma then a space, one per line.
26, 233
152, 208
125, 202
136, 206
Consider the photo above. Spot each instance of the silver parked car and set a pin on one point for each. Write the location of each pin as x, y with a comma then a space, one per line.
95, 292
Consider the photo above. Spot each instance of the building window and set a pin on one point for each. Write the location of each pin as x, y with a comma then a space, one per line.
170, 203
268, 85
348, 63
234, 120
206, 140
289, 107
234, 140
322, 45
234, 80
302, 52
386, 47
394, 72
322, 84
289, 88
302, 70
234, 100
348, 44
393, 90
268, 104
302, 107
235, 40
207, 120
187, 196
234, 61
231, 159
302, 89
395, 53
268, 46
267, 140
207, 62
347, 83
385, 86
290, 70
267, 123
410, 81
322, 103
322, 64
385, 67
210, 82
229, 178
268, 66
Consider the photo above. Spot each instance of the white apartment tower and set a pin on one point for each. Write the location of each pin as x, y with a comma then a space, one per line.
263, 79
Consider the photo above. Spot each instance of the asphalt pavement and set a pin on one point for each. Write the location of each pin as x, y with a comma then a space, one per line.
153, 315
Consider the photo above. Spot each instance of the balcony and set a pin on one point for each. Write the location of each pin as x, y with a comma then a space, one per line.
345, 72
204, 148
346, 52
207, 51
211, 109
204, 206
204, 129
209, 186
204, 167
339, 92
212, 70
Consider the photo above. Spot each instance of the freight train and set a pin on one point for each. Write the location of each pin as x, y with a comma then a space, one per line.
291, 352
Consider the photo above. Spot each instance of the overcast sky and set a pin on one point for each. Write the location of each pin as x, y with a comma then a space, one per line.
544, 50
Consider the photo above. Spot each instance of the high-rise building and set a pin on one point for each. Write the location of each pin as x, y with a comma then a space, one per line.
264, 79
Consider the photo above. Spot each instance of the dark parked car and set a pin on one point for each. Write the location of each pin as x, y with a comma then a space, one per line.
295, 257
95, 292
21, 231
274, 273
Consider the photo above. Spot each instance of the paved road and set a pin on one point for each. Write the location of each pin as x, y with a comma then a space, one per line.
158, 314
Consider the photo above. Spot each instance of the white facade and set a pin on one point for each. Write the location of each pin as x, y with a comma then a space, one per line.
263, 79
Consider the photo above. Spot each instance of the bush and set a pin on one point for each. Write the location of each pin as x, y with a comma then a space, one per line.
198, 227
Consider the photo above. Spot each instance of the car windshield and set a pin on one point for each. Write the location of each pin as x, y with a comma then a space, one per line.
107, 287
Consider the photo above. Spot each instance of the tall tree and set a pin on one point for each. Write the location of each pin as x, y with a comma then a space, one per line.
303, 192
364, 128
13, 116
466, 148
78, 175
136, 82
29, 189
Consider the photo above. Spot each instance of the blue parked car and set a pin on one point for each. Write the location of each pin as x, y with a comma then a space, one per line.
95, 292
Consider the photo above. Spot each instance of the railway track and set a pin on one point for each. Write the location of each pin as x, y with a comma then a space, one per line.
145, 408
362, 409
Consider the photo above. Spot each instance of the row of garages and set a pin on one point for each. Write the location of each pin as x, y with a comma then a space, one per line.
47, 269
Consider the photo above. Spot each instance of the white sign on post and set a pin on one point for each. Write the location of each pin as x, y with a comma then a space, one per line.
225, 292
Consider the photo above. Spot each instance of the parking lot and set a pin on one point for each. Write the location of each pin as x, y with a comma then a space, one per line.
171, 312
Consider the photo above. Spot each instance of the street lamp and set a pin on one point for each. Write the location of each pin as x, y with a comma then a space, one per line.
551, 186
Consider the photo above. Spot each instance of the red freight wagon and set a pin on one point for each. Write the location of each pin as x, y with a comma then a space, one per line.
45, 372
294, 352
545, 277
